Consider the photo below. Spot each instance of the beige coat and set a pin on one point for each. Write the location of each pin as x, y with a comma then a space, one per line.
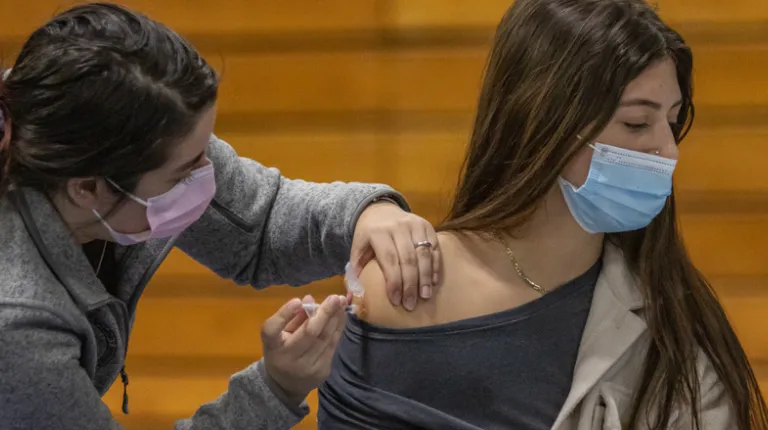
610, 362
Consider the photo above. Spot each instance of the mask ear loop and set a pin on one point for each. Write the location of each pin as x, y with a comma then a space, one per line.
127, 194
590, 144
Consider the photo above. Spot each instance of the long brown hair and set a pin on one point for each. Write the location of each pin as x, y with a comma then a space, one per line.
558, 67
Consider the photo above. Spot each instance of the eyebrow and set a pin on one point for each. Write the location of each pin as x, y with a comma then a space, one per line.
648, 103
188, 165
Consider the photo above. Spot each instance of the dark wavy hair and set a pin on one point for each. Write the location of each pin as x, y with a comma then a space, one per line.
99, 91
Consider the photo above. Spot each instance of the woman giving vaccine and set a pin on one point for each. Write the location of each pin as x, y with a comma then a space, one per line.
107, 162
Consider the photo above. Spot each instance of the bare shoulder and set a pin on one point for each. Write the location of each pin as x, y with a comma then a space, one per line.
379, 310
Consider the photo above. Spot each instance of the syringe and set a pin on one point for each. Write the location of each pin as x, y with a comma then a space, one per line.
311, 308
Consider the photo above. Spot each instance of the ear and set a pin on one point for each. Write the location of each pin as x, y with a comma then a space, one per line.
89, 193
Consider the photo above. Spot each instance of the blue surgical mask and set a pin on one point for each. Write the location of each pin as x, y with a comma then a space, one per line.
624, 191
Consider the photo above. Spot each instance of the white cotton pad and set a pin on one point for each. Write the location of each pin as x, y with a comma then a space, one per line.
352, 283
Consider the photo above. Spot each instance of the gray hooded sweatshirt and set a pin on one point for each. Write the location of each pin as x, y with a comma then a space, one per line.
63, 337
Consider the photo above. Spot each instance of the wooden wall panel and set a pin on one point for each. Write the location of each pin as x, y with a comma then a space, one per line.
713, 11
316, 156
445, 14
384, 91
299, 82
728, 244
746, 306
730, 75
724, 161
203, 327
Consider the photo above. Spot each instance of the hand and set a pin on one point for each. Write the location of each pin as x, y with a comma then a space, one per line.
389, 234
298, 349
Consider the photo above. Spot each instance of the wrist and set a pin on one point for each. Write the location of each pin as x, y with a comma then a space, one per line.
386, 198
376, 199
287, 397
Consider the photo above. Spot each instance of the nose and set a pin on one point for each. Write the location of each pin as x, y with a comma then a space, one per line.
667, 145
670, 151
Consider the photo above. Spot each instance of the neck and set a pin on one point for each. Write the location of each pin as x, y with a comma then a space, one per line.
552, 248
82, 223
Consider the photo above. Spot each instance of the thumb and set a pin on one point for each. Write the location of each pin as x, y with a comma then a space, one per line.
361, 256
273, 327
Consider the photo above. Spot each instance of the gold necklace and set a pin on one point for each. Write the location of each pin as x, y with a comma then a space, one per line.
541, 290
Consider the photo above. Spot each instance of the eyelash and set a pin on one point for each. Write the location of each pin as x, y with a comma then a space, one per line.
637, 127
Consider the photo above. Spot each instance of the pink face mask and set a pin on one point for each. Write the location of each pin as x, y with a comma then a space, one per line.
171, 213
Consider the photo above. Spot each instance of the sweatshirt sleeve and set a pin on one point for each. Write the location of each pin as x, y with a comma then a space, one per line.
43, 385
264, 229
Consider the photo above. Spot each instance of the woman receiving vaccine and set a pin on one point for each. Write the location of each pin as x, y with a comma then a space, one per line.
568, 299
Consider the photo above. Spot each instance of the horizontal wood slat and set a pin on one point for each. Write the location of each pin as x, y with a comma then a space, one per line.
728, 244
713, 11
210, 17
202, 327
349, 156
487, 13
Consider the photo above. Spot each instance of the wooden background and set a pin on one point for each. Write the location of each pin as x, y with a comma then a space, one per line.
383, 91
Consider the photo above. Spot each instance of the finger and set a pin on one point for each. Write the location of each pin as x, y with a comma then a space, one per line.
361, 252
409, 267
326, 350
272, 330
437, 255
296, 322
386, 255
424, 260
326, 340
304, 338
360, 259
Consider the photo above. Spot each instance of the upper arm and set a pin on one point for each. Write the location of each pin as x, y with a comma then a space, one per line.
264, 229
378, 310
43, 384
